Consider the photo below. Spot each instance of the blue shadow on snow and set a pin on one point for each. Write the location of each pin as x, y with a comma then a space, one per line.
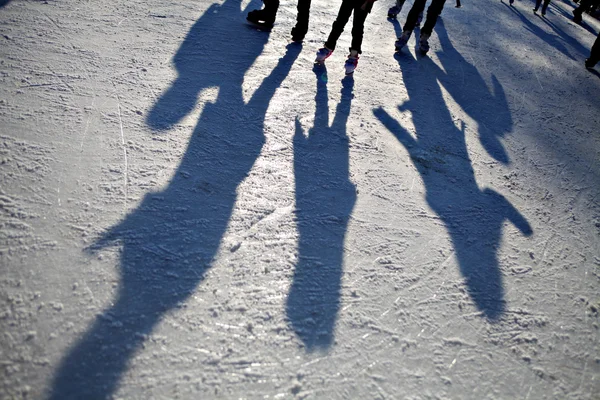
169, 242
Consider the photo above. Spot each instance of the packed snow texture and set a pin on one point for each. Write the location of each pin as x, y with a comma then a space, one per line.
191, 209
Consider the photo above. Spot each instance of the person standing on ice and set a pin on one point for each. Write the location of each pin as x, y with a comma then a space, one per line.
544, 7
434, 10
360, 8
584, 6
594, 57
266, 17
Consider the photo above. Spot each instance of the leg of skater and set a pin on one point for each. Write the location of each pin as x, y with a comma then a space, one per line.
594, 54
434, 10
299, 31
545, 6
358, 28
336, 30
411, 22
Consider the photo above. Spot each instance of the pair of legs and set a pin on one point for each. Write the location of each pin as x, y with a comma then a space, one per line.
267, 16
347, 8
434, 10
584, 6
544, 7
360, 9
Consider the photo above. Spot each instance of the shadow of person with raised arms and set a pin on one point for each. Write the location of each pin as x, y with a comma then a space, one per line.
170, 240
325, 197
467, 87
473, 217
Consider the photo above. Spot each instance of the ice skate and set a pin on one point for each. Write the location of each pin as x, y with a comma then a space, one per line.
322, 55
402, 40
589, 63
298, 33
351, 62
261, 19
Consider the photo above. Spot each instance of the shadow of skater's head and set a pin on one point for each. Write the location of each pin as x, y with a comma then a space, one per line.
200, 64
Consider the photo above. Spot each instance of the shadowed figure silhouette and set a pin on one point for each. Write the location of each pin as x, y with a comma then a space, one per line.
472, 216
170, 240
325, 198
557, 41
489, 109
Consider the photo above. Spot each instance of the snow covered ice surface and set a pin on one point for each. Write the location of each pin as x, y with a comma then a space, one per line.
191, 209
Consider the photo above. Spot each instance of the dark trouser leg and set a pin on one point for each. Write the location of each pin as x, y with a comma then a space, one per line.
340, 22
270, 10
595, 52
537, 4
434, 10
302, 18
545, 6
358, 26
413, 15
457, 3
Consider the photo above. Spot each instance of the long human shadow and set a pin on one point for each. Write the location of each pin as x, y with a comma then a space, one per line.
570, 39
556, 41
169, 241
325, 197
472, 216
568, 14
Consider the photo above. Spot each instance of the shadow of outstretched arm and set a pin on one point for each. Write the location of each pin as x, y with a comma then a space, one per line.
509, 211
170, 240
394, 127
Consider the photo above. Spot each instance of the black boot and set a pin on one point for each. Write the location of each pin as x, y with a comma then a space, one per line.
298, 33
260, 18
264, 18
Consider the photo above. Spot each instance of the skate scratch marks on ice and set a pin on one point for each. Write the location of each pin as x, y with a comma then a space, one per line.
126, 173
87, 125
538, 79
